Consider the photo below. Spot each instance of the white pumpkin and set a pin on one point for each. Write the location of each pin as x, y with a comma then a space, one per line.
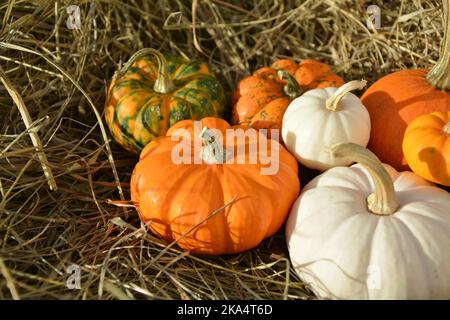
322, 117
370, 232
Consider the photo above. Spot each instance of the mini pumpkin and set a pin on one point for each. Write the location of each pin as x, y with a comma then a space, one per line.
426, 147
398, 98
370, 232
152, 93
186, 201
322, 117
260, 100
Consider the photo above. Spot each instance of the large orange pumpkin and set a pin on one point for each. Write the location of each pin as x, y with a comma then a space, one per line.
177, 199
427, 147
398, 98
260, 100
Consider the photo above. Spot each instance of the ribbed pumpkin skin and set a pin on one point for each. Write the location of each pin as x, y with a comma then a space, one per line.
259, 100
136, 114
427, 147
393, 102
177, 197
312, 74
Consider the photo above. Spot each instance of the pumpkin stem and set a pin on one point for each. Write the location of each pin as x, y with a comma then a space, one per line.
292, 89
163, 84
212, 151
383, 201
447, 128
332, 103
439, 75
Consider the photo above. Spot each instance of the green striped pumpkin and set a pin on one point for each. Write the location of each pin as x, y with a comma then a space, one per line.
152, 93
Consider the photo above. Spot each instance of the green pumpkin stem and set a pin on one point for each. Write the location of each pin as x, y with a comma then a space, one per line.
383, 201
163, 84
292, 89
332, 103
212, 152
439, 75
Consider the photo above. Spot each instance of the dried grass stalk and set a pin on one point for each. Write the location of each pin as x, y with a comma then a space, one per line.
63, 74
33, 134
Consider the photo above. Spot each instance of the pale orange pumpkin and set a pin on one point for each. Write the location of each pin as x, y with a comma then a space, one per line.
177, 200
426, 146
398, 98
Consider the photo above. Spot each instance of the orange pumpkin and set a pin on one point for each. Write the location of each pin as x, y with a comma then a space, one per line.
180, 199
427, 147
260, 100
398, 98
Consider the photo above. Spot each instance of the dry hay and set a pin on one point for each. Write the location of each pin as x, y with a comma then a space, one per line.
60, 75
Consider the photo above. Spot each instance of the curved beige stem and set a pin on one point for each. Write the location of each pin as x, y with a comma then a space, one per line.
212, 151
163, 84
383, 201
332, 102
439, 75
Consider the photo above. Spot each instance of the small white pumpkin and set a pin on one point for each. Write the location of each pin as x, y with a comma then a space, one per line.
370, 232
322, 117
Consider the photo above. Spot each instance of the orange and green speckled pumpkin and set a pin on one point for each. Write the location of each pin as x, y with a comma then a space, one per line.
261, 99
152, 93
